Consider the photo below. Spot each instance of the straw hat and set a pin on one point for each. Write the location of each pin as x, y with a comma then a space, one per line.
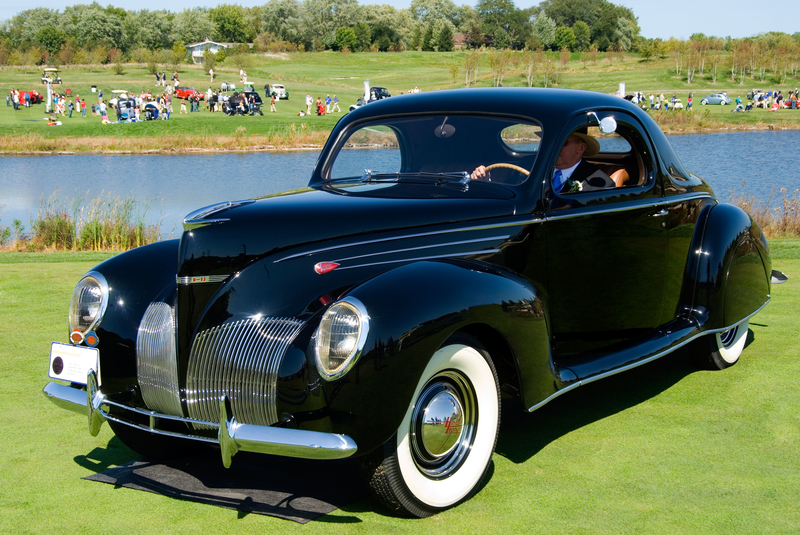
592, 145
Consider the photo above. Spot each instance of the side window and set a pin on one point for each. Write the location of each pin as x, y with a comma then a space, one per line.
373, 147
591, 161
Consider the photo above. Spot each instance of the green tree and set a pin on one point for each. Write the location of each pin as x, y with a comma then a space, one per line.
345, 38
564, 38
51, 38
282, 18
544, 29
98, 27
230, 23
178, 52
192, 26
583, 35
363, 37
432, 10
443, 32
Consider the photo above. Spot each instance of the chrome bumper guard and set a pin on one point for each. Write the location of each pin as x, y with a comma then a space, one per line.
232, 436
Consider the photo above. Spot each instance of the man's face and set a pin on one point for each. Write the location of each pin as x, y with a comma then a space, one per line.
571, 153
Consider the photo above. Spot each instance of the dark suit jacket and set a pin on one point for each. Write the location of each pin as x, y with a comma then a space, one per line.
591, 177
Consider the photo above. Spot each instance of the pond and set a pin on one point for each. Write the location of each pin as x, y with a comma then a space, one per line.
170, 186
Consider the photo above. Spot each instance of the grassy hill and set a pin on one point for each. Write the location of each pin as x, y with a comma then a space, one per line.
323, 73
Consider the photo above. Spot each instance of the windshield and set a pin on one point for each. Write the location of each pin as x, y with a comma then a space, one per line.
437, 146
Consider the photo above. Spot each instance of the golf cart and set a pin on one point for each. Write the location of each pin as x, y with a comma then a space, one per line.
50, 74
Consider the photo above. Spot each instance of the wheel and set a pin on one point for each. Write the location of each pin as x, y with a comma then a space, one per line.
724, 349
153, 446
509, 166
704, 102
722, 102
443, 447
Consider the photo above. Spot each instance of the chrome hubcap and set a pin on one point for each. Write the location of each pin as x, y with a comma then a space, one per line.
443, 424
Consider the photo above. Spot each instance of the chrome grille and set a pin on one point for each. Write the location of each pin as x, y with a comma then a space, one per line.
241, 360
156, 360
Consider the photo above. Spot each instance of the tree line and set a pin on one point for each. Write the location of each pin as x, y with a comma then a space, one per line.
81, 33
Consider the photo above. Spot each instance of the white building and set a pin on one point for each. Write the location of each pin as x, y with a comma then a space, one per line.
196, 50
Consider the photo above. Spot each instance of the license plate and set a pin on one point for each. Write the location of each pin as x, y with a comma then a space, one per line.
72, 363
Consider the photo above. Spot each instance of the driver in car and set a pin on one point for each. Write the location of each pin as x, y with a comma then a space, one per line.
572, 173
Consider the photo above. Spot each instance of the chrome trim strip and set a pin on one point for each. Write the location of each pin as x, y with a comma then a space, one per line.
417, 259
662, 201
201, 279
411, 236
198, 219
640, 362
434, 246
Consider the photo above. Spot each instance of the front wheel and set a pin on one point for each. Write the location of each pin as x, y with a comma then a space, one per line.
704, 102
724, 349
443, 447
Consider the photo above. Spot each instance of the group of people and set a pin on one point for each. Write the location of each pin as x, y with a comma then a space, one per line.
14, 99
660, 102
161, 81
321, 107
773, 100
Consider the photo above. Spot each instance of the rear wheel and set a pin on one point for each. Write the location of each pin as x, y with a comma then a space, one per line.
723, 349
152, 446
443, 447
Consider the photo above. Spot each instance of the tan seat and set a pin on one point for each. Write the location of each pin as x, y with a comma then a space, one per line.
620, 177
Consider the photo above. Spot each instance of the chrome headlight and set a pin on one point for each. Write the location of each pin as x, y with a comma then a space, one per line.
340, 337
88, 303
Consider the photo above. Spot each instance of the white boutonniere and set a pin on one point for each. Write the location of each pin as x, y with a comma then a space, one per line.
572, 186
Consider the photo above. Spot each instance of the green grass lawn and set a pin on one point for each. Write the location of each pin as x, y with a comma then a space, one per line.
664, 448
323, 73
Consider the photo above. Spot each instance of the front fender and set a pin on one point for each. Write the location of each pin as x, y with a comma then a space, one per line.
413, 310
135, 278
727, 275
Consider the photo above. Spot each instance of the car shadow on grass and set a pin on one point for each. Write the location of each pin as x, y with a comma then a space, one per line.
524, 434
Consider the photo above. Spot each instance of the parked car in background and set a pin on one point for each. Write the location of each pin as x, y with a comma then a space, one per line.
371, 94
186, 92
382, 312
279, 89
34, 96
716, 98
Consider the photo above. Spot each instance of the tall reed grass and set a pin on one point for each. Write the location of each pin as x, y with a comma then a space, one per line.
781, 221
106, 223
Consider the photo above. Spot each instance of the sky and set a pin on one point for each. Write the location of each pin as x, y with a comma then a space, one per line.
676, 18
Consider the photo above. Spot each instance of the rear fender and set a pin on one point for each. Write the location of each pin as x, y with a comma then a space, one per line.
413, 310
727, 277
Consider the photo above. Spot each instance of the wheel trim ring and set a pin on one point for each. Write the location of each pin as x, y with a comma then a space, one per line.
442, 465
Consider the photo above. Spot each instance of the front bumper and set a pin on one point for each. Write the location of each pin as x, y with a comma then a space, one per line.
232, 436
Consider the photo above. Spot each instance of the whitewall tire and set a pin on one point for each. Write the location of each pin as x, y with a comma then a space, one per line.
725, 348
443, 447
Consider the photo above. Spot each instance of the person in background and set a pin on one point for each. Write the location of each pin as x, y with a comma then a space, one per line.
335, 106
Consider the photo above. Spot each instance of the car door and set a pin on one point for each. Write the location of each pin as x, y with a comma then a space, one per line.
606, 249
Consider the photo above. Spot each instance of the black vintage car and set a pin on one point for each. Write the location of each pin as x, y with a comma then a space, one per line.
384, 311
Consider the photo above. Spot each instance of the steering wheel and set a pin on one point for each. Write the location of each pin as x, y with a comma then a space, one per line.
508, 166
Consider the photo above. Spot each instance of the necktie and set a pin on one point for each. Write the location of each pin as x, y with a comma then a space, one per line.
558, 181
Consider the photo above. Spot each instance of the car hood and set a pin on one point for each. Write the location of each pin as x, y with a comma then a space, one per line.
225, 241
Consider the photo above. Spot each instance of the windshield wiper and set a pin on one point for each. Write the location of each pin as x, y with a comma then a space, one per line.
459, 177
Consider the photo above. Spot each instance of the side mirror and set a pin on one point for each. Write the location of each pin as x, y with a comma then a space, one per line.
608, 125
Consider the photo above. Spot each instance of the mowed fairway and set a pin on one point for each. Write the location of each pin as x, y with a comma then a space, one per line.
661, 449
